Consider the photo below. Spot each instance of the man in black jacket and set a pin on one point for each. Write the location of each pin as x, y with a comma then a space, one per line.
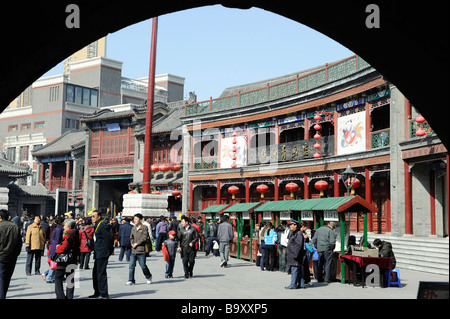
103, 248
10, 246
294, 253
187, 237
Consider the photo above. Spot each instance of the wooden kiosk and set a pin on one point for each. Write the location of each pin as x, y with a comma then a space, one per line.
242, 218
335, 209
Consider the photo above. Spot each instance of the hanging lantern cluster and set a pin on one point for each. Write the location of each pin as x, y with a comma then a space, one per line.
292, 187
234, 156
321, 186
317, 136
164, 168
420, 131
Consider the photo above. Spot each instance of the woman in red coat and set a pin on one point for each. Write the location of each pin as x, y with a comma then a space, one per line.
85, 251
65, 270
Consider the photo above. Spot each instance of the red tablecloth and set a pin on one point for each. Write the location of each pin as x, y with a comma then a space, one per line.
382, 262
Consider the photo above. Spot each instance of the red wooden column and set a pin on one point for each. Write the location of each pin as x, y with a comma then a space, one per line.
50, 176
408, 198
219, 190
306, 187
67, 174
247, 190
41, 178
276, 190
336, 184
306, 124
432, 203
368, 184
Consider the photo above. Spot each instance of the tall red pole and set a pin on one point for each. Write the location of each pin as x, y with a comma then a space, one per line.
149, 117
408, 208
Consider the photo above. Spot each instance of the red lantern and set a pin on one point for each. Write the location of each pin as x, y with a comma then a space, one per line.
154, 168
262, 189
317, 127
321, 186
317, 155
317, 145
175, 167
235, 134
233, 165
420, 132
317, 117
233, 190
356, 183
420, 119
292, 187
317, 136
164, 168
141, 169
176, 192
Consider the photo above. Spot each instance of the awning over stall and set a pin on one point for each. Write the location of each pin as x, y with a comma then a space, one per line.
279, 206
242, 207
339, 204
215, 208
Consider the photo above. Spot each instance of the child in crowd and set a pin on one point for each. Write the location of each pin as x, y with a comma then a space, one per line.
169, 249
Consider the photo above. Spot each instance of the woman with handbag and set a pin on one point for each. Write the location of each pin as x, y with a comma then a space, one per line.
86, 243
66, 258
139, 237
56, 235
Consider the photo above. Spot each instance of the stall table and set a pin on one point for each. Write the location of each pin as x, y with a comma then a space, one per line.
354, 261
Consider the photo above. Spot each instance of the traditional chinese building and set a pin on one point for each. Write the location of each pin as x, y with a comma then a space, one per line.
306, 128
115, 150
61, 166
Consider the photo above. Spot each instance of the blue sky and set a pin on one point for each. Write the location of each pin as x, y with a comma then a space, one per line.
215, 47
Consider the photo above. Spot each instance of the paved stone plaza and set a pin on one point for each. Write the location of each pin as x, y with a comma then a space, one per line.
242, 280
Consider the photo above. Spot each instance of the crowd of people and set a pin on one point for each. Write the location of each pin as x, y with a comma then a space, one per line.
70, 241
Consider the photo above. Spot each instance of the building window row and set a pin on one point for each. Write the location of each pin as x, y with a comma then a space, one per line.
26, 126
81, 95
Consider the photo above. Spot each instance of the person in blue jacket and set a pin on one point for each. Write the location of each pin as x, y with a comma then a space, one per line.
270, 238
124, 239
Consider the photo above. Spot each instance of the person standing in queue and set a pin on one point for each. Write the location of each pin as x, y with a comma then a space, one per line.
188, 237
103, 248
325, 240
35, 243
294, 254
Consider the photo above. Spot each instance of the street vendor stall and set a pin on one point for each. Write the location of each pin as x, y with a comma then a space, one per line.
242, 218
213, 212
335, 209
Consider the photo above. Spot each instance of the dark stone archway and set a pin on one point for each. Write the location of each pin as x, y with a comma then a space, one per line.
410, 49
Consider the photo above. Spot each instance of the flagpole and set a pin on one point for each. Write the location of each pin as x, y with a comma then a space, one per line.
149, 116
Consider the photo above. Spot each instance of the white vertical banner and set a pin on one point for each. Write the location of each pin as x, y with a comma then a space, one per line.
351, 133
226, 152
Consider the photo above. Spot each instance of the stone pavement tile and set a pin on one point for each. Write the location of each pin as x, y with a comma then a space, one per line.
242, 280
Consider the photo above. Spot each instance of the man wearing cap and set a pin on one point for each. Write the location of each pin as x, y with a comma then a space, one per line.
169, 247
294, 253
325, 240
